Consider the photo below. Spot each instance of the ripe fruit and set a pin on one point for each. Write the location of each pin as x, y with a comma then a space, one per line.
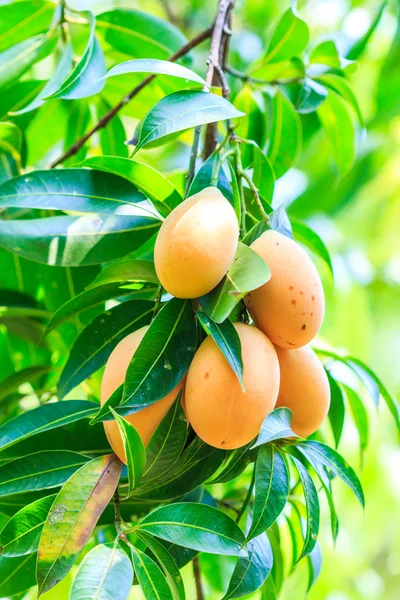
219, 411
196, 244
290, 307
146, 420
304, 388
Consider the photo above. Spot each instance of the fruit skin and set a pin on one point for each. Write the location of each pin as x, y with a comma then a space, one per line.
304, 388
146, 420
219, 411
290, 307
196, 244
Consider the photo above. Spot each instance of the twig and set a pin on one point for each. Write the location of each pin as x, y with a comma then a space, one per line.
197, 578
103, 122
117, 517
247, 499
251, 79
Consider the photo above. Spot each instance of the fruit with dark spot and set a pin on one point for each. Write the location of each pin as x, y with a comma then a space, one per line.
293, 297
196, 244
220, 412
304, 388
145, 421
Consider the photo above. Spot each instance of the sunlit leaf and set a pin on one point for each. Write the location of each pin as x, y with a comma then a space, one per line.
276, 425
288, 39
286, 135
155, 66
151, 579
16, 17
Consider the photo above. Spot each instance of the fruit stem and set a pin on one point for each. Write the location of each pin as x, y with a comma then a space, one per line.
117, 517
248, 497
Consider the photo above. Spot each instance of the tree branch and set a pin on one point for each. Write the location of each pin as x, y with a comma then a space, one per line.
197, 578
103, 122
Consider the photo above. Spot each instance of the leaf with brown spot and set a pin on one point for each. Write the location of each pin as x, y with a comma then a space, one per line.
73, 516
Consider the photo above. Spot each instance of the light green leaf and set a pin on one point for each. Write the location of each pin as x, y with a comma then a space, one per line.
156, 67
19, 58
340, 85
151, 579
358, 48
337, 409
289, 38
360, 416
183, 110
112, 136
312, 507
11, 383
307, 236
247, 272
73, 517
127, 270
286, 135
16, 18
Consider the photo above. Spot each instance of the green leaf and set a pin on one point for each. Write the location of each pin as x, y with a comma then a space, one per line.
255, 233
90, 298
339, 128
127, 270
16, 17
235, 465
307, 236
325, 480
247, 272
271, 490
197, 526
289, 38
94, 345
314, 566
311, 96
46, 417
252, 125
340, 85
16, 574
151, 579
112, 136
11, 383
166, 444
139, 34
62, 69
312, 507
276, 425
168, 565
360, 416
313, 450
251, 570
73, 517
197, 464
79, 121
39, 471
326, 53
358, 48
135, 451
80, 190
86, 78
153, 184
22, 533
211, 174
337, 409
156, 67
163, 356
183, 110
105, 572
76, 241
280, 221
227, 340
286, 134
17, 59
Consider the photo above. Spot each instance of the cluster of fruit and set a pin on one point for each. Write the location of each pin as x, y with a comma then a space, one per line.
194, 249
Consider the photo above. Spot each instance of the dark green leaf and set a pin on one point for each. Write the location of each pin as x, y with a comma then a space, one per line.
156, 67
271, 489
286, 133
135, 451
151, 579
289, 38
337, 409
39, 471
227, 339
139, 34
77, 241
235, 465
335, 462
211, 174
254, 233
247, 272
195, 526
94, 345
46, 417
252, 570
183, 110
80, 190
127, 270
17, 574
73, 516
168, 565
307, 236
22, 533
163, 356
153, 184
312, 507
276, 425
86, 78
105, 572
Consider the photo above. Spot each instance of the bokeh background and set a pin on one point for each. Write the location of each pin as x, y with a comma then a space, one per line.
358, 217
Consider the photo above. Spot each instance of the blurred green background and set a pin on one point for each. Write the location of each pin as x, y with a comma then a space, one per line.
358, 217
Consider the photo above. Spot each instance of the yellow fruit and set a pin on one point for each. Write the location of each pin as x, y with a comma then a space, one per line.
146, 420
304, 388
219, 411
196, 244
290, 307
